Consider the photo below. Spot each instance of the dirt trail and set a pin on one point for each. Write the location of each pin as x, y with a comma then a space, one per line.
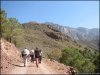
11, 63
32, 69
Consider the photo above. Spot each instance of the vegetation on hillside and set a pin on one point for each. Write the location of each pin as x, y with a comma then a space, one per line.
86, 61
11, 29
55, 54
52, 43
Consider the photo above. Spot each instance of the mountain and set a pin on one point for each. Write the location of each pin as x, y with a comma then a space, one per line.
89, 37
54, 44
46, 37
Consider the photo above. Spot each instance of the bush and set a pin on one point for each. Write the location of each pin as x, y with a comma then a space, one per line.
55, 54
11, 29
82, 60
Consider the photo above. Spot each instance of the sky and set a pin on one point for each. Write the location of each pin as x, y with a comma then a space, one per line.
66, 13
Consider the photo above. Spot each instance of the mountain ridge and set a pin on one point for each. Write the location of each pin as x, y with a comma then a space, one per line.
51, 38
80, 34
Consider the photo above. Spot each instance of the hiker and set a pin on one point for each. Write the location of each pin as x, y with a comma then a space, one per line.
40, 56
32, 55
25, 56
37, 56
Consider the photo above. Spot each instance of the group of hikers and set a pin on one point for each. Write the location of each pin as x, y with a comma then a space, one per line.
35, 55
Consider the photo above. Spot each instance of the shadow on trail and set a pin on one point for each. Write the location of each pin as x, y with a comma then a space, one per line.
16, 65
30, 66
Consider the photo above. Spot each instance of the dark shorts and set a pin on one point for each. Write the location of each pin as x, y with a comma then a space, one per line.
32, 56
24, 55
37, 56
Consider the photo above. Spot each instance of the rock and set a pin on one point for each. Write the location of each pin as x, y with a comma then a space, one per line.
1, 67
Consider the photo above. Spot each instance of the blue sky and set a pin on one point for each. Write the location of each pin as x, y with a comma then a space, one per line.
67, 13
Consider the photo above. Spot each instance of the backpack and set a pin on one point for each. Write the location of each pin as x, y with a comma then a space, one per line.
40, 53
32, 52
22, 53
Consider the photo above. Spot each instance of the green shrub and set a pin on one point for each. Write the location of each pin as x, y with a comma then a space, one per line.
82, 60
55, 54
11, 29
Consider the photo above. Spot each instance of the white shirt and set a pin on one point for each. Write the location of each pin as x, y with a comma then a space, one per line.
26, 51
32, 51
40, 53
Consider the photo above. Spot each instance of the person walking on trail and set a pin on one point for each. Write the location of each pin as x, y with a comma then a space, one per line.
40, 56
32, 55
25, 55
37, 56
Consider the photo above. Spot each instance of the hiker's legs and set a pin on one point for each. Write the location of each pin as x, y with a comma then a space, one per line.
32, 58
28, 58
40, 58
37, 60
25, 60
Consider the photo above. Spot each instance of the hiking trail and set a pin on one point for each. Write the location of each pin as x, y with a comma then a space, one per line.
32, 69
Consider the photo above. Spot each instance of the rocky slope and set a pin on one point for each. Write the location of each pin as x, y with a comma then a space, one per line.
46, 37
9, 56
58, 67
82, 35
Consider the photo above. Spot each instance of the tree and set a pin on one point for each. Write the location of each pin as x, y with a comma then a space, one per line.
11, 29
3, 17
80, 60
3, 21
88, 67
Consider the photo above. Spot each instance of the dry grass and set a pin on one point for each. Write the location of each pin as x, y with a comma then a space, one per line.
36, 35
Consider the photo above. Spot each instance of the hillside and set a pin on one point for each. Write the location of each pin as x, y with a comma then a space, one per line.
60, 46
46, 37
11, 63
85, 36
55, 46
10, 55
